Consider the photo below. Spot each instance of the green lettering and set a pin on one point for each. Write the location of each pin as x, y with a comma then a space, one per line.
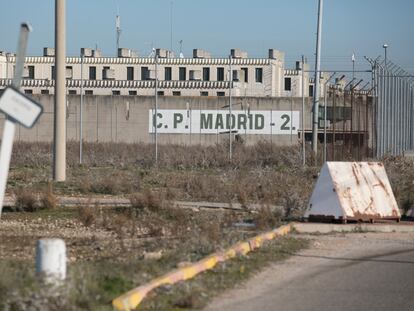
154, 120
178, 118
206, 121
259, 122
242, 121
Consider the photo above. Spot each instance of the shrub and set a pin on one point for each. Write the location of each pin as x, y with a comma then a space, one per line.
48, 199
87, 215
26, 200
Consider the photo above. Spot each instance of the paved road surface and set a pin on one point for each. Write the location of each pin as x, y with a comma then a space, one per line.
371, 271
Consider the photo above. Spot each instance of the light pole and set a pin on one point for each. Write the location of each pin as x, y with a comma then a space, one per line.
156, 109
81, 113
317, 82
230, 104
303, 113
385, 46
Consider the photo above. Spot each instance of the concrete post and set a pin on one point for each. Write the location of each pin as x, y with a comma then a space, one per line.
51, 259
59, 143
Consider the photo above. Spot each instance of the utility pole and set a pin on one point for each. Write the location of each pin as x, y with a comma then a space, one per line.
59, 137
317, 81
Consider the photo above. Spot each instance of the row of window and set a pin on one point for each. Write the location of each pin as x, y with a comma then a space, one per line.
175, 93
108, 73
182, 74
131, 93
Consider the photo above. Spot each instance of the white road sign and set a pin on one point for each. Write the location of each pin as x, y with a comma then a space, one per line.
19, 107
273, 122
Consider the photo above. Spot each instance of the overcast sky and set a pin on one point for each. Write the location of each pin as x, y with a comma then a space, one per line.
360, 26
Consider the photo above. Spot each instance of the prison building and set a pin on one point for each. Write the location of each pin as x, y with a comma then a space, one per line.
131, 75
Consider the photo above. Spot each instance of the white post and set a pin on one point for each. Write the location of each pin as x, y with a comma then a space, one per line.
5, 156
9, 125
51, 260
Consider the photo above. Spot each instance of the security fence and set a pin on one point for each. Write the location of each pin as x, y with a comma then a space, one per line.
393, 110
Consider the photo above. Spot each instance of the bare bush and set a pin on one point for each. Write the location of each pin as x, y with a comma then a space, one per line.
26, 200
147, 199
48, 199
87, 214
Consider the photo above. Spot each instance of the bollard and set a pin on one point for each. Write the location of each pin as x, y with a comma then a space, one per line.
51, 260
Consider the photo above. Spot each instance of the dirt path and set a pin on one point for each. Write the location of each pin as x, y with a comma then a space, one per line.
358, 271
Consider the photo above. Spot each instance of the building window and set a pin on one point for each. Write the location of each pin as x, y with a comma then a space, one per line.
245, 72
72, 92
168, 74
145, 73
88, 92
259, 75
30, 72
53, 73
176, 93
288, 84
28, 91
236, 75
220, 74
44, 92
69, 72
203, 93
116, 92
206, 74
182, 73
221, 94
92, 73
161, 93
105, 71
130, 73
310, 90
132, 93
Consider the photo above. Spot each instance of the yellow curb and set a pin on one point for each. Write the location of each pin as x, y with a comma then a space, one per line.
133, 298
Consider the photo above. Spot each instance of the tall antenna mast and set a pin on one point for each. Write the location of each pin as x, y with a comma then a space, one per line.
118, 30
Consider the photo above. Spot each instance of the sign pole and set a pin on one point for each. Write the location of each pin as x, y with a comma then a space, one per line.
9, 125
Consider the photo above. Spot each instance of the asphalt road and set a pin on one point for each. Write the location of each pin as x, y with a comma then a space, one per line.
371, 271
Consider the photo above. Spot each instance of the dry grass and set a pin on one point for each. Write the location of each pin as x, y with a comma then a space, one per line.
121, 155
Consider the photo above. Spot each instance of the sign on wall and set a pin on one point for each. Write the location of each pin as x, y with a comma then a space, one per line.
219, 121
